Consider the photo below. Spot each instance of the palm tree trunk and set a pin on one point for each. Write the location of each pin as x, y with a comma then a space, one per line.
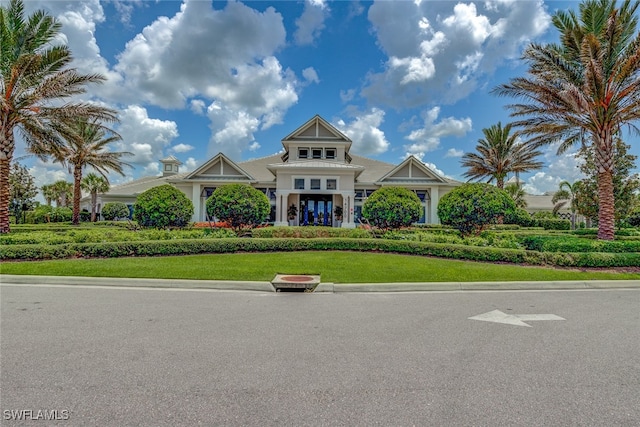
94, 199
7, 145
5, 194
77, 178
606, 212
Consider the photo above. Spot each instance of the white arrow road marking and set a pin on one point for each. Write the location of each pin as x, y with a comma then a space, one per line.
497, 316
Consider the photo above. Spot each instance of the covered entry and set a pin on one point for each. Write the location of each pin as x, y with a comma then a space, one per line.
316, 209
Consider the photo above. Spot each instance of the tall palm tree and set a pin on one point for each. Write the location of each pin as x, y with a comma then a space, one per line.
498, 154
94, 184
34, 78
566, 195
585, 89
85, 145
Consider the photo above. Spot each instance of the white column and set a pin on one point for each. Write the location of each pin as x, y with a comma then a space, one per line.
433, 195
282, 197
348, 210
195, 199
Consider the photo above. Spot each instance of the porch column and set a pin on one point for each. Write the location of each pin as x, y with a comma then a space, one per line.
282, 197
195, 199
433, 193
348, 210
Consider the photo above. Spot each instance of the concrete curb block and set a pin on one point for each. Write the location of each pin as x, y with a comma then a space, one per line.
143, 283
322, 287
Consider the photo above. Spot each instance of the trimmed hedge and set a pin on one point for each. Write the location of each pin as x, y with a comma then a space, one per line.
309, 232
578, 244
200, 246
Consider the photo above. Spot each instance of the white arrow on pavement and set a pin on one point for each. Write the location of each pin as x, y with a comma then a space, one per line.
497, 316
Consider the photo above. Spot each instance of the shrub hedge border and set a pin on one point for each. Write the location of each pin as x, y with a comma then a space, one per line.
224, 245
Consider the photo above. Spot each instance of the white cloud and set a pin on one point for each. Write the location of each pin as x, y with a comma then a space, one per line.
364, 131
442, 51
565, 167
182, 148
143, 136
453, 152
428, 137
198, 106
310, 75
347, 95
189, 165
311, 23
232, 131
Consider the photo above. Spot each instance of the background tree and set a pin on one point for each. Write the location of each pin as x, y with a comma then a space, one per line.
163, 206
85, 144
62, 192
34, 79
94, 184
472, 208
566, 196
517, 194
23, 190
392, 207
239, 205
625, 184
49, 193
114, 211
498, 154
584, 90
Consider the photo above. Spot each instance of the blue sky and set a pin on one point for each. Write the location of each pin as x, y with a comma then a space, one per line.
195, 78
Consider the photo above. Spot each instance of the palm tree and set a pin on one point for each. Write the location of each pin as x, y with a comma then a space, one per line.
94, 184
517, 194
498, 154
49, 193
62, 191
566, 195
85, 145
34, 78
585, 89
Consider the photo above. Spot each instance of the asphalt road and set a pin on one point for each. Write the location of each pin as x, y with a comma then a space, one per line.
129, 357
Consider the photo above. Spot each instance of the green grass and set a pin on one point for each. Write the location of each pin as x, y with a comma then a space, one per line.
336, 267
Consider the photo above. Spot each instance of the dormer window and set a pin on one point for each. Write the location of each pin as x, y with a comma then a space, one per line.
303, 153
330, 153
316, 153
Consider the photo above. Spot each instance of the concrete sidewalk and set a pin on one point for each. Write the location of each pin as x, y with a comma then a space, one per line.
7, 279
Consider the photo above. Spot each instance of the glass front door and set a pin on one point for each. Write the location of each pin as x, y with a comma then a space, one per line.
316, 210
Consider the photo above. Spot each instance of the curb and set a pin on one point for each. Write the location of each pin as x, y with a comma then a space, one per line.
321, 288
138, 283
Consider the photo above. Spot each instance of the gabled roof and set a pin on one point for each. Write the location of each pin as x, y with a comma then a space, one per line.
219, 167
317, 128
412, 170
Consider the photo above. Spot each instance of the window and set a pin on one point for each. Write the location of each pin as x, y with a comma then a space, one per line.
332, 184
298, 184
316, 153
315, 184
167, 167
330, 153
303, 153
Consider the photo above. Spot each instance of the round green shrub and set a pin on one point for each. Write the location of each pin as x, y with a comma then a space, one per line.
239, 205
520, 217
45, 213
392, 208
473, 207
114, 211
163, 206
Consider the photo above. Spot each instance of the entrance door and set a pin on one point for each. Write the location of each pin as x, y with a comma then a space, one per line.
316, 209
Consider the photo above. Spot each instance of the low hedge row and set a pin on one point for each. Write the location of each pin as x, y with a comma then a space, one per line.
578, 244
191, 246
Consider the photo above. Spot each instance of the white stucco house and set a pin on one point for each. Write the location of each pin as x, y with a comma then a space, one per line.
316, 173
